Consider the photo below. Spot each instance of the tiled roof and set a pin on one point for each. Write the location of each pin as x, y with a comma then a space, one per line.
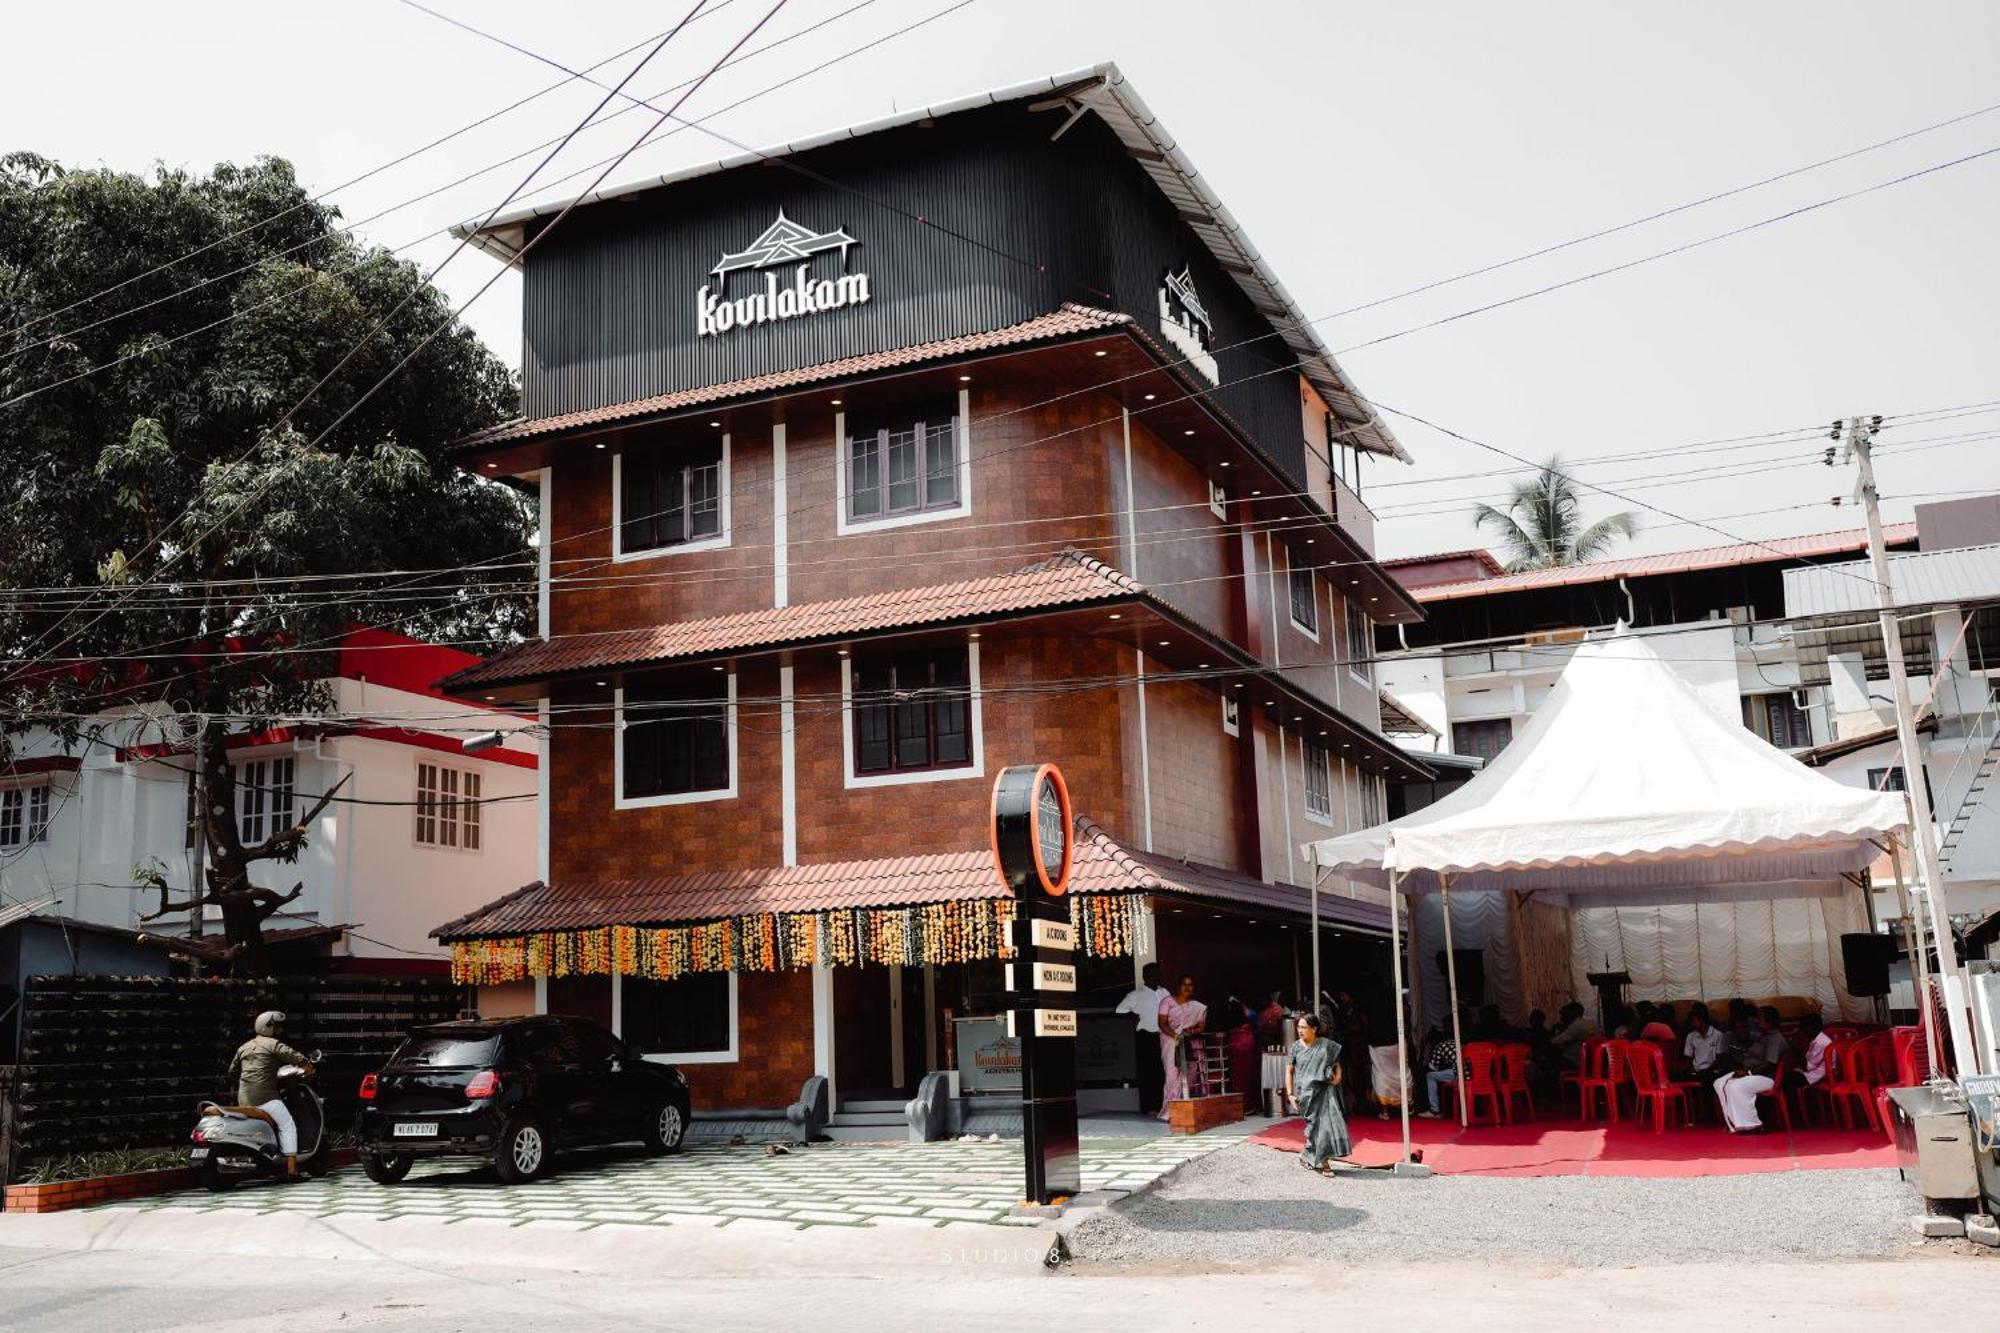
1805, 547
1103, 865
1064, 579
1066, 322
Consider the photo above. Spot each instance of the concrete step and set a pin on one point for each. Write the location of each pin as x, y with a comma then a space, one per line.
869, 1118
840, 1133
881, 1104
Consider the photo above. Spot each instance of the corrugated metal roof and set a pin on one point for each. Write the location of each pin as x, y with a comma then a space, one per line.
1103, 865
1917, 578
1805, 547
1067, 578
1068, 321
1103, 89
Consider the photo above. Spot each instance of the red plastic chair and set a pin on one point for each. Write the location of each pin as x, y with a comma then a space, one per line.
1481, 1081
1779, 1095
1607, 1082
1572, 1080
1652, 1092
1514, 1057
1850, 1082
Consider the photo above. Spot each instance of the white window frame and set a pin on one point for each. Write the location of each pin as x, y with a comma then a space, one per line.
32, 835
718, 542
620, 801
1231, 715
1306, 749
461, 799
728, 1055
976, 769
1312, 585
267, 813
843, 524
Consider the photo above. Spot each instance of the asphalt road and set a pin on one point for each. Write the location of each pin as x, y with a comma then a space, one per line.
66, 1291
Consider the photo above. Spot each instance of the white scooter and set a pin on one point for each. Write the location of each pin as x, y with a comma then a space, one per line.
237, 1143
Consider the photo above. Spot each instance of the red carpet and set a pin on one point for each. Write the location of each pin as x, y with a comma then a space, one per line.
1576, 1148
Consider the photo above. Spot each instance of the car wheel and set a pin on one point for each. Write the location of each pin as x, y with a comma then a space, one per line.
387, 1168
522, 1153
214, 1179
666, 1128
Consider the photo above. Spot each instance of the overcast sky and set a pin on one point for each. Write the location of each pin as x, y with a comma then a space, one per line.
1366, 147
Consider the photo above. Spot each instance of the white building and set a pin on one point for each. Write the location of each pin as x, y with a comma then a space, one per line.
421, 832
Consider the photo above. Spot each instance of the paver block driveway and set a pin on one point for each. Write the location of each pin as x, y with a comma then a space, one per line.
831, 1184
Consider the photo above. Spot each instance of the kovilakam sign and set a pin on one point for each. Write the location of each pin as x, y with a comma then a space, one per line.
784, 244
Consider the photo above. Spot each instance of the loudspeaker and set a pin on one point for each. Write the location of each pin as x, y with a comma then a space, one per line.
1867, 959
1471, 974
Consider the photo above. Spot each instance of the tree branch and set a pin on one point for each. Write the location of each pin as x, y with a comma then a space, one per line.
268, 901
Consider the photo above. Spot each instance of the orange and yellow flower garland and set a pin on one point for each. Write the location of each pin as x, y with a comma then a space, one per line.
933, 933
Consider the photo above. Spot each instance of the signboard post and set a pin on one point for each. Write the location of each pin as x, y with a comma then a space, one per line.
1033, 847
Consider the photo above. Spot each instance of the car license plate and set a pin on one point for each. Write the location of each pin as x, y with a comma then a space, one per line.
417, 1129
196, 1154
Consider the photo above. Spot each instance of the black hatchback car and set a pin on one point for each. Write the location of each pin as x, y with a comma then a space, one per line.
514, 1091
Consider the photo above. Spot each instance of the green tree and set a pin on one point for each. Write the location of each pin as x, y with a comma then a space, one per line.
167, 504
1542, 524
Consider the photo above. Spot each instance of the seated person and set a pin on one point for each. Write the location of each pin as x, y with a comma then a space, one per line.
1656, 1024
1817, 1046
1706, 1046
1440, 1070
1571, 1029
1757, 1061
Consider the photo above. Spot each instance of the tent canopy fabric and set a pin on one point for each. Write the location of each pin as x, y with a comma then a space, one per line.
1624, 787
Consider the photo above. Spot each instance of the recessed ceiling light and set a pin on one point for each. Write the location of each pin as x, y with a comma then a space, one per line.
600, 444
1201, 666
1311, 540
1151, 396
1256, 492
487, 697
1101, 352
1372, 598
715, 423
1165, 643
1117, 615
719, 668
1187, 432
492, 465
1270, 703
965, 379
602, 683
1322, 733
836, 402
1237, 686
1224, 463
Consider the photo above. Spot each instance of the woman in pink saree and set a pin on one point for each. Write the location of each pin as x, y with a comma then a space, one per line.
1182, 1021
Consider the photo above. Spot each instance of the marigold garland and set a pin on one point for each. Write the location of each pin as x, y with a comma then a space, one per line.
933, 933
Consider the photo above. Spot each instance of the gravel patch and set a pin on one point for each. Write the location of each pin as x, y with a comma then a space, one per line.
1249, 1205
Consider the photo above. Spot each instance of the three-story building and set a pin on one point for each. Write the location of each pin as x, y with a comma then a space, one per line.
875, 464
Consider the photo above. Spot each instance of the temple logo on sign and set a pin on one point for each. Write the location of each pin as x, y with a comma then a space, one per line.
1184, 321
783, 244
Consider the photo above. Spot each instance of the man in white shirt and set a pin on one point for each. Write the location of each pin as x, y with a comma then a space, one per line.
1143, 1003
1812, 1034
1706, 1046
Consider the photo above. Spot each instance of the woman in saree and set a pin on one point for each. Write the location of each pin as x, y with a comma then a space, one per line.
1182, 1021
1312, 1081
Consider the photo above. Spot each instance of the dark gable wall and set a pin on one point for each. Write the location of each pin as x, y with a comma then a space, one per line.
609, 304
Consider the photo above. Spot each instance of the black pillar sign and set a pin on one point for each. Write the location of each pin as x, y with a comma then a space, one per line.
1033, 852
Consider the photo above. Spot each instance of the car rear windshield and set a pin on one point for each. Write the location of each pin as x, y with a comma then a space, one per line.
449, 1050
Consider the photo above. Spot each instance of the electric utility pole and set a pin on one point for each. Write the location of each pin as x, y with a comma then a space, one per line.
1859, 435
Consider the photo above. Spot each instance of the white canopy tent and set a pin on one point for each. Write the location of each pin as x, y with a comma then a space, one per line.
1624, 789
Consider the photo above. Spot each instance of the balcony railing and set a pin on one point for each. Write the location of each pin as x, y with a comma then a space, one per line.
1357, 518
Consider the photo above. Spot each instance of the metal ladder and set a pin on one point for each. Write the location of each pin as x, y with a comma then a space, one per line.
1961, 818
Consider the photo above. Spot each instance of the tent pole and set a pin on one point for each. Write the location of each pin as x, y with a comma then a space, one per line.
1318, 872
1402, 1036
1451, 982
1921, 954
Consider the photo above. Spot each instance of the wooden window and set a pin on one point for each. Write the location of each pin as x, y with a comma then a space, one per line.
447, 807
264, 798
1319, 781
1484, 739
669, 496
1778, 720
913, 711
676, 737
1305, 602
24, 815
902, 463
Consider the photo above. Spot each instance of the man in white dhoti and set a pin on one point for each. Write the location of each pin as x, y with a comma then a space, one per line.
1755, 1074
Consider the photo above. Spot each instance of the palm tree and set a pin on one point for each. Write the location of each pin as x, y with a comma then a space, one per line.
1542, 525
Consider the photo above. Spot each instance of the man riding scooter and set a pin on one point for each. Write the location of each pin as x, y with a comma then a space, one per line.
255, 1067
